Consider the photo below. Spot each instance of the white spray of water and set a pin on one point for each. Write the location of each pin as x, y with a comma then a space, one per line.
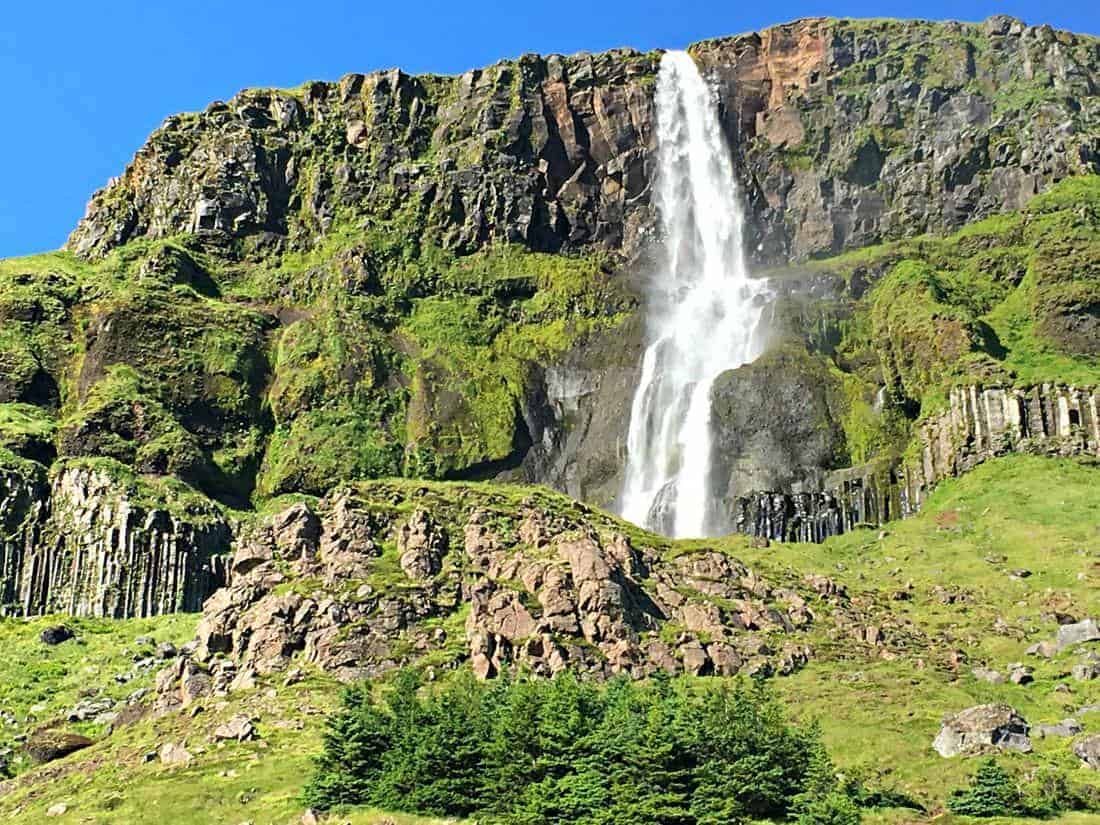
703, 311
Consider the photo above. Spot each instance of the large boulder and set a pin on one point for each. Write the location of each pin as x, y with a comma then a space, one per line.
982, 728
1088, 751
1086, 630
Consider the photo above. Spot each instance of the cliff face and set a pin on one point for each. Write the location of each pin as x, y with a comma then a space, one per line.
980, 423
87, 544
850, 132
440, 278
546, 152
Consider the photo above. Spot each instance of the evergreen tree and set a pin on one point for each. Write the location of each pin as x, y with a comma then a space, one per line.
991, 793
356, 742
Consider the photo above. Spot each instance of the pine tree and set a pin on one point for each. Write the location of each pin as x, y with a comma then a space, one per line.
991, 793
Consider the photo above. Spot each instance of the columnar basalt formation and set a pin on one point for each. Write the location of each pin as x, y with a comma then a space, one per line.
24, 496
87, 546
979, 423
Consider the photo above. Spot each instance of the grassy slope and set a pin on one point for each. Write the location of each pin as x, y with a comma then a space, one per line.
879, 714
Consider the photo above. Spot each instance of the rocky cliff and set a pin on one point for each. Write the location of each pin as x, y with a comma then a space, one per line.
441, 278
980, 423
88, 543
850, 132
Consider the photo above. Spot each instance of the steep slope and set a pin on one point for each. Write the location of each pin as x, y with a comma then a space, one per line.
947, 588
439, 278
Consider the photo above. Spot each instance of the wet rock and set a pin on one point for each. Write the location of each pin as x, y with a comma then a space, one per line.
981, 728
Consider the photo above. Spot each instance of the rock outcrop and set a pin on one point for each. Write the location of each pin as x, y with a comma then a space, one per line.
979, 423
983, 728
849, 131
388, 574
94, 544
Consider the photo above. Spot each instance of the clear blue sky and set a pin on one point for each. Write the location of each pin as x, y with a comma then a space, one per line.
86, 81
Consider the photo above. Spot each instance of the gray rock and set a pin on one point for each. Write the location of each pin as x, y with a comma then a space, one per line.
1065, 728
238, 729
984, 674
981, 728
1086, 630
1088, 751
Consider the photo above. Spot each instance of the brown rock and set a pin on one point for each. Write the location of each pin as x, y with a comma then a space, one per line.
47, 745
175, 755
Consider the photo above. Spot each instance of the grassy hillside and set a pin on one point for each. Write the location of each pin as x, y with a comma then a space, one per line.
879, 707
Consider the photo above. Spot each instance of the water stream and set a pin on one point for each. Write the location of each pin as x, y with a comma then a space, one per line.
703, 310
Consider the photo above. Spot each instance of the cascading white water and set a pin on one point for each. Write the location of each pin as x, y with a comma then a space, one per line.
703, 311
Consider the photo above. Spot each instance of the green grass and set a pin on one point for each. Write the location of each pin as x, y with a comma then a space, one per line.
879, 717
879, 708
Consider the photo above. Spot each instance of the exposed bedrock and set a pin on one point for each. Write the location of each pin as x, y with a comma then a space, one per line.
385, 574
86, 543
979, 423
577, 413
847, 132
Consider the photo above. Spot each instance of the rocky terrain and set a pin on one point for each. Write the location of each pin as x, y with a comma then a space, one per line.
345, 372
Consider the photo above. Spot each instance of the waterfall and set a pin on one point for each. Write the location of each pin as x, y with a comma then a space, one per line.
703, 310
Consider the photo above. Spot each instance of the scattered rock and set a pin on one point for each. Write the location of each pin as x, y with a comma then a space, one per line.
1020, 674
239, 729
1086, 671
55, 635
1045, 649
1088, 751
1064, 729
87, 709
981, 728
175, 755
166, 650
1069, 635
983, 674
60, 809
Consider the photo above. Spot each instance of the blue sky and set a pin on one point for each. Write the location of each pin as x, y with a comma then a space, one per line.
86, 82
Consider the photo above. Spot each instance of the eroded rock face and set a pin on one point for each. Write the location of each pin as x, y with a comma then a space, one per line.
848, 132
460, 574
547, 152
983, 728
92, 545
